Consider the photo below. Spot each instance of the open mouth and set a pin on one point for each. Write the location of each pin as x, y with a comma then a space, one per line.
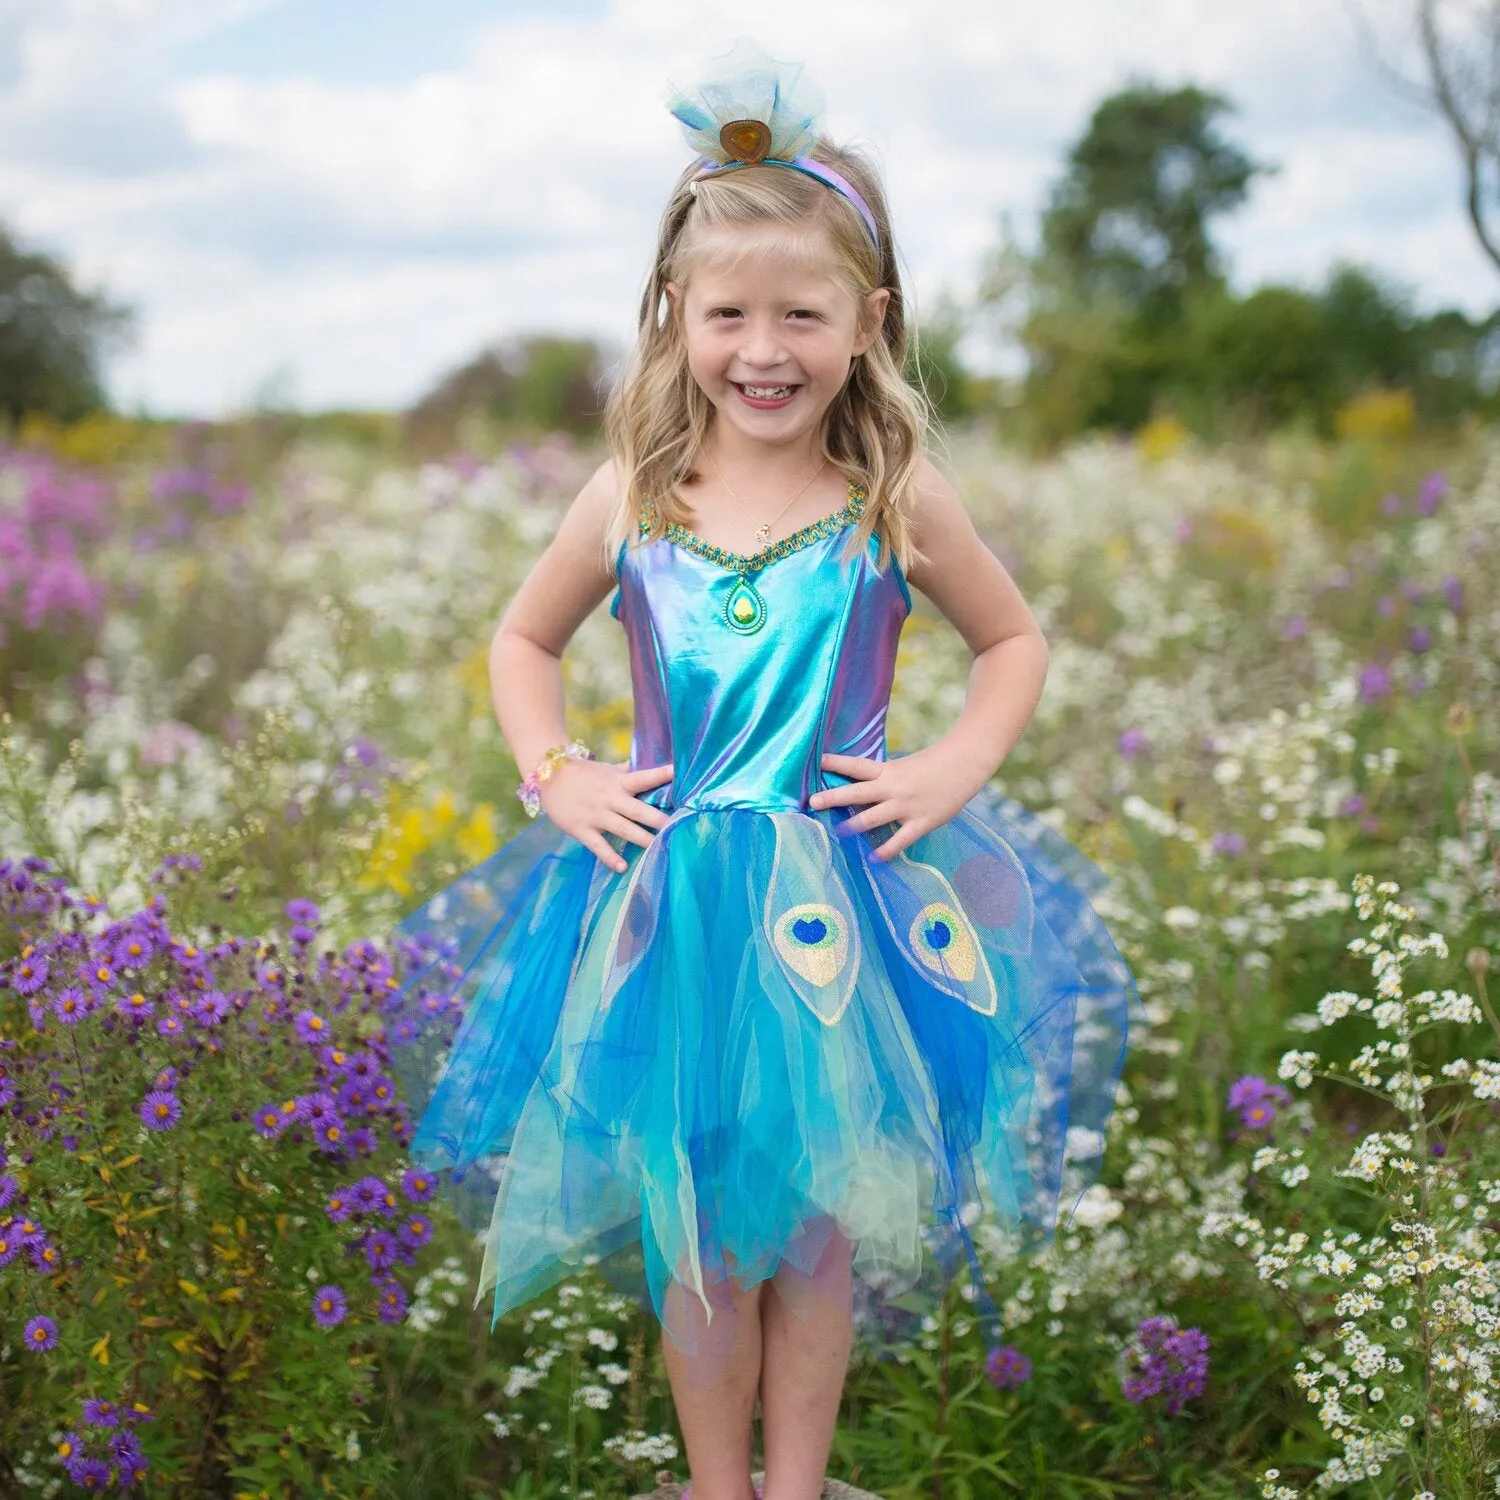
766, 395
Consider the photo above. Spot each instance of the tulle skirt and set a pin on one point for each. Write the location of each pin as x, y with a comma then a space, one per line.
694, 1071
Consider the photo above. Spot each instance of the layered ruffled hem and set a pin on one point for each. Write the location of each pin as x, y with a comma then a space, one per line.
690, 1073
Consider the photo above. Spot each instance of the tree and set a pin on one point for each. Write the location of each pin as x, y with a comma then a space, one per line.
52, 337
1130, 216
540, 383
1464, 82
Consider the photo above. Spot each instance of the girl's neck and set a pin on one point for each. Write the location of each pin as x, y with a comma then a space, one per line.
768, 464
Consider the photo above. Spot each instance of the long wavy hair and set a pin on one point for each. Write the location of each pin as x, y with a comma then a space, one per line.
657, 417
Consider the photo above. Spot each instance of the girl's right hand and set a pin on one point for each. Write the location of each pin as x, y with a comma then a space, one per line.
589, 798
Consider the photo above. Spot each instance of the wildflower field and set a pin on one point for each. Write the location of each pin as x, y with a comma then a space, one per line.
247, 726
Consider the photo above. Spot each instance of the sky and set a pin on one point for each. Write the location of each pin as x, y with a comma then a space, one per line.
332, 203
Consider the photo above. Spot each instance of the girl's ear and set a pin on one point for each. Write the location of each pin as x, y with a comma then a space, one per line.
872, 317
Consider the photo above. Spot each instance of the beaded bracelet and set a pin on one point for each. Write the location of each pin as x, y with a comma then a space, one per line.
530, 790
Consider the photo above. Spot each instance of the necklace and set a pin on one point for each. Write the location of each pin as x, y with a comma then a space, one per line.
763, 532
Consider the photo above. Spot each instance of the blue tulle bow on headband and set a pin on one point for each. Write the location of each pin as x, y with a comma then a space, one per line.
751, 110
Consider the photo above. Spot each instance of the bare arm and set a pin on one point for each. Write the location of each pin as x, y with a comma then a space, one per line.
566, 584
971, 587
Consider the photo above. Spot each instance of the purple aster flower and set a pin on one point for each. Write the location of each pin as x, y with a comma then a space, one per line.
160, 1110
1257, 1100
1419, 639
1385, 606
354, 1097
328, 1135
71, 1005
1228, 843
10, 1245
419, 1186
135, 1006
1352, 806
302, 936
368, 1195
138, 1411
125, 1445
1163, 1360
334, 1058
1295, 628
392, 1307
1390, 504
1430, 492
40, 1334
1006, 1368
311, 1027
69, 1447
1374, 682
170, 1024
9, 1187
90, 1474
416, 1231
1131, 743
267, 1120
211, 1008
97, 1413
319, 1105
1453, 591
360, 1141
302, 911
380, 1249
30, 973
339, 1205
329, 1306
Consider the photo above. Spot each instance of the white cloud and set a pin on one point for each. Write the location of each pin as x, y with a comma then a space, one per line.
371, 235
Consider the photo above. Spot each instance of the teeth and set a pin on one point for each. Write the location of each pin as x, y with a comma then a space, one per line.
767, 392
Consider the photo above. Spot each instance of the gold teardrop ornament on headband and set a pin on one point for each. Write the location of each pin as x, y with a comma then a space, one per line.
748, 141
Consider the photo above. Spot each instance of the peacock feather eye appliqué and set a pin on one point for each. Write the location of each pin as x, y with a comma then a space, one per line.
813, 940
940, 938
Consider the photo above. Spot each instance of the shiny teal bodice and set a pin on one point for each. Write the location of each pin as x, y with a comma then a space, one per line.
746, 670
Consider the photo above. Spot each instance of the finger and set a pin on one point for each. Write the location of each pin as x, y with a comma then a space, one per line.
646, 778
607, 855
852, 765
871, 817
623, 828
903, 838
643, 812
843, 796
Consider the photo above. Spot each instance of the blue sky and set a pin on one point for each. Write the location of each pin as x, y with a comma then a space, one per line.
338, 200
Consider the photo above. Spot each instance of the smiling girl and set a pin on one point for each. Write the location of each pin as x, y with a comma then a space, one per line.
765, 1014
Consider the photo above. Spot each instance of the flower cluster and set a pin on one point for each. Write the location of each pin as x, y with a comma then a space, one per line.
1163, 1360
107, 1450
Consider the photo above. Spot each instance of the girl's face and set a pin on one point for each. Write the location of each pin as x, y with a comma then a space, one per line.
770, 339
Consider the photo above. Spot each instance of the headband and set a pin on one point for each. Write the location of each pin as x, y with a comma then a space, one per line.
751, 110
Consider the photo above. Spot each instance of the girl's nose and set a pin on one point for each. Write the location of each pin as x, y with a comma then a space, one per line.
762, 345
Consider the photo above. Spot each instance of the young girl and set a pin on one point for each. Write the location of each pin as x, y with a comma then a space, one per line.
771, 1016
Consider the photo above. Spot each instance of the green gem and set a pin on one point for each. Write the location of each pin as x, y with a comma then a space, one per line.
744, 609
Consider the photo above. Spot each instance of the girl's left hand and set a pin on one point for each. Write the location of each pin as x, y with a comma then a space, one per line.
920, 792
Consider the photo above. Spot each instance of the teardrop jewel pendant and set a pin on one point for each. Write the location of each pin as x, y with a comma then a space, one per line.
744, 609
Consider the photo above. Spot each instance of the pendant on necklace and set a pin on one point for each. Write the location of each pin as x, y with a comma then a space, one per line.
762, 536
744, 609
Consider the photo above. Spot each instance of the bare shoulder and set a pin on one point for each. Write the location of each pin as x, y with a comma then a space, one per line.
938, 513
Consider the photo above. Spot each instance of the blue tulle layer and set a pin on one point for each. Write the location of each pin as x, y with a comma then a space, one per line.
694, 1068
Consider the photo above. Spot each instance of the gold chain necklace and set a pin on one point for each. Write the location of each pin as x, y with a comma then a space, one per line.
763, 532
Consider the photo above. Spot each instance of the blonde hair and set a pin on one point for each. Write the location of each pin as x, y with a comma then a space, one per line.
874, 432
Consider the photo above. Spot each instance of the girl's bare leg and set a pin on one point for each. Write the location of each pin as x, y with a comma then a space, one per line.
714, 1390
806, 1335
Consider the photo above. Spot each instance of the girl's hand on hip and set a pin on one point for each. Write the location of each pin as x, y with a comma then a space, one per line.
919, 792
589, 798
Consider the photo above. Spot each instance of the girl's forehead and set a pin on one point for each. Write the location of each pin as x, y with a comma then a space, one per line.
787, 259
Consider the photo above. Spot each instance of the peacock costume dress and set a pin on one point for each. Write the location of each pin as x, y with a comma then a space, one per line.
693, 1068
